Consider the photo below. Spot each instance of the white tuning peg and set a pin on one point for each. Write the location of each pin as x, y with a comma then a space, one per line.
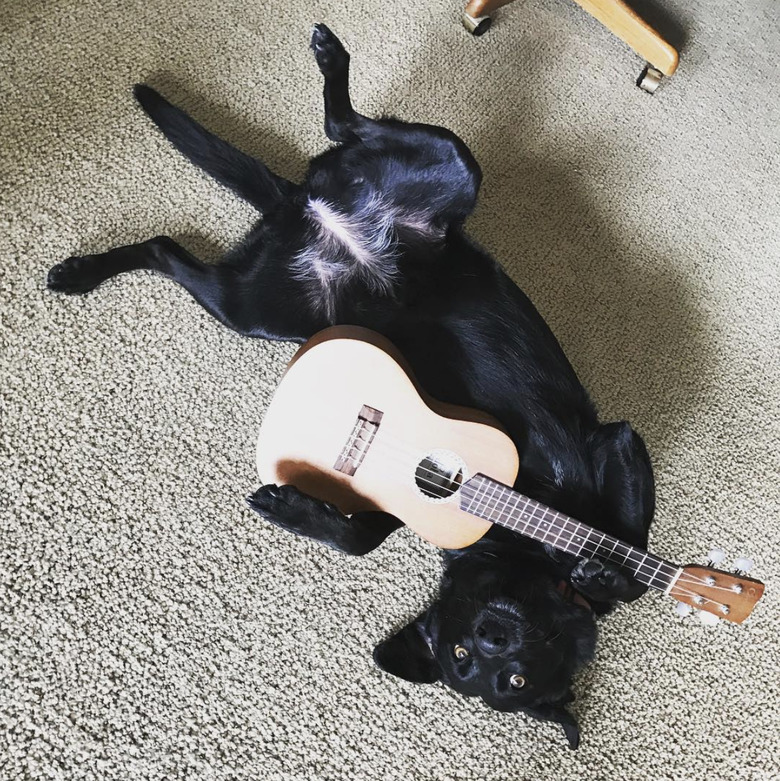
708, 619
716, 557
683, 610
743, 564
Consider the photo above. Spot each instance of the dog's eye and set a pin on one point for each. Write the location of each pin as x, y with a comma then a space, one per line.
517, 681
460, 652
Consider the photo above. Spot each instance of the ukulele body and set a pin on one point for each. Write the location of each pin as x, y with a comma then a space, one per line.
348, 425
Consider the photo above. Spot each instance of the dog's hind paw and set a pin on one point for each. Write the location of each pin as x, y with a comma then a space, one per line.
74, 275
329, 52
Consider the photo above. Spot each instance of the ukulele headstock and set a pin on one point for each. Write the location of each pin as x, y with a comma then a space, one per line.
718, 594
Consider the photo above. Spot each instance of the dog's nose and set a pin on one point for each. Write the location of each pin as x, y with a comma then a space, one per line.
490, 637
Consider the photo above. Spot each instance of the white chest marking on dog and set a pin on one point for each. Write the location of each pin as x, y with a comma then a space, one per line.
345, 246
364, 236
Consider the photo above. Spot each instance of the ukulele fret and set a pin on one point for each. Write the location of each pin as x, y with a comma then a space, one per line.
359, 441
499, 504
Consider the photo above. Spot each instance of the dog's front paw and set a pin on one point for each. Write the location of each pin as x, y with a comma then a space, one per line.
331, 56
604, 582
287, 507
74, 275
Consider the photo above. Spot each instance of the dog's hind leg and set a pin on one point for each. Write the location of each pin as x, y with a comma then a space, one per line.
253, 300
288, 508
247, 177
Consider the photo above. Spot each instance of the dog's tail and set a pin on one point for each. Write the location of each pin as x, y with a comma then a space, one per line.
245, 176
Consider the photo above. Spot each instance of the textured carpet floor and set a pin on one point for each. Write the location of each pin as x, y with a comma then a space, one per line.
150, 626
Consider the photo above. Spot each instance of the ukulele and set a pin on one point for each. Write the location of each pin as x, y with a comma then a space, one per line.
348, 425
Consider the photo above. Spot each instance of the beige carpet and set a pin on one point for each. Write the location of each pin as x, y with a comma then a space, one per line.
151, 627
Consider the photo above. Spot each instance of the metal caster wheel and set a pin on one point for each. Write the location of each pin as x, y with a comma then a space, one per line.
477, 25
649, 79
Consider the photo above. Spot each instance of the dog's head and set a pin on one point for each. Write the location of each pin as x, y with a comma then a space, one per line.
502, 631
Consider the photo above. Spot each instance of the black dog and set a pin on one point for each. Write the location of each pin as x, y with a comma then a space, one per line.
373, 237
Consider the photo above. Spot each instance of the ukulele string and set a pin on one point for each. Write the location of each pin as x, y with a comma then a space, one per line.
695, 596
586, 545
403, 455
665, 568
698, 581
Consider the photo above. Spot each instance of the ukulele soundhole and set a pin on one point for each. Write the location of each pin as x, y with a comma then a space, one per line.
439, 475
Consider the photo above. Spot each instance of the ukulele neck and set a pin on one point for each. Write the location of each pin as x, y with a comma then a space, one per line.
504, 506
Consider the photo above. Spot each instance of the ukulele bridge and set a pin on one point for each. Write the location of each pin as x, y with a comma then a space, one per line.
359, 441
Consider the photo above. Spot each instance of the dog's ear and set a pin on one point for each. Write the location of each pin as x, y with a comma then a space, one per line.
557, 713
625, 479
408, 654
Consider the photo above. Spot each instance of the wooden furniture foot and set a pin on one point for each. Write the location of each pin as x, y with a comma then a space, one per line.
617, 17
476, 16
621, 20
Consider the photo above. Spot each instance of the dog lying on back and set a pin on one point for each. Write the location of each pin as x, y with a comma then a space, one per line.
374, 237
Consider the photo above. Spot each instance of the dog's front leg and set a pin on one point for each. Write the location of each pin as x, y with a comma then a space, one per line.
255, 299
605, 582
287, 507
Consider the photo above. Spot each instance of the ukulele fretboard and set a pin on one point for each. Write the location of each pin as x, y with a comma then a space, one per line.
500, 504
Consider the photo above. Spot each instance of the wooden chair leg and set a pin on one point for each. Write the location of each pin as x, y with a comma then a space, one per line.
617, 17
485, 7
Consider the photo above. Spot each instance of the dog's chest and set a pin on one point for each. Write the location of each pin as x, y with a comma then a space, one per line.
362, 245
